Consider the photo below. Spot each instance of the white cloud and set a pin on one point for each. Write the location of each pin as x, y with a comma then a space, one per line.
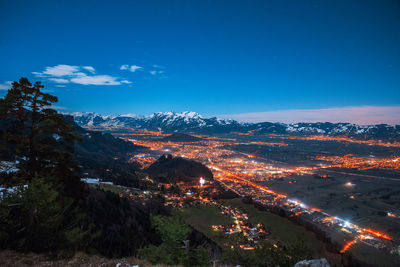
80, 74
58, 71
133, 68
6, 85
96, 80
59, 80
83, 75
90, 69
362, 115
126, 82
155, 72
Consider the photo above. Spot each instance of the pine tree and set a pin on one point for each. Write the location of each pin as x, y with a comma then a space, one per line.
174, 248
38, 135
45, 213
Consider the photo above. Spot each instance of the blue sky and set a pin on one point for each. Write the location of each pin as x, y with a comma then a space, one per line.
212, 57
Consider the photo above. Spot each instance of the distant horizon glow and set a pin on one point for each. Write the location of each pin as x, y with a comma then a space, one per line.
361, 115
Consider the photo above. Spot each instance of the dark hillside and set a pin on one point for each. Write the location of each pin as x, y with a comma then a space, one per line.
123, 225
170, 169
105, 156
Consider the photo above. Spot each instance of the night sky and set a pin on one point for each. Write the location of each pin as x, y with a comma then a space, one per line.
249, 60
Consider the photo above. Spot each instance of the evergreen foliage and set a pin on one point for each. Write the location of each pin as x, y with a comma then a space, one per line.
122, 225
174, 247
36, 217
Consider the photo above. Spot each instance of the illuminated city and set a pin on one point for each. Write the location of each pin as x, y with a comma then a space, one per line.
246, 175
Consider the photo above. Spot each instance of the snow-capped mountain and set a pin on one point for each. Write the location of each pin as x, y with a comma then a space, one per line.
166, 121
196, 123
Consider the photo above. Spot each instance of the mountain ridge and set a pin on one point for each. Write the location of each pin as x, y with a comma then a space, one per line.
192, 122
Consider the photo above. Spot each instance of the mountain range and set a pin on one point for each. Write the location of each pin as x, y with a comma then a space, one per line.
192, 122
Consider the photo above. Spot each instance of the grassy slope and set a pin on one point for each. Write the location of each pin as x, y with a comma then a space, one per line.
281, 229
201, 218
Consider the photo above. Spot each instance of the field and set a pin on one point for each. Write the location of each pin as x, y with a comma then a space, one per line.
116, 189
361, 199
373, 256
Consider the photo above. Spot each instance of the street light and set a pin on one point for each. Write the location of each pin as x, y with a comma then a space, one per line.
202, 181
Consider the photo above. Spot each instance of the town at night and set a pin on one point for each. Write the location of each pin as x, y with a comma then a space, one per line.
276, 185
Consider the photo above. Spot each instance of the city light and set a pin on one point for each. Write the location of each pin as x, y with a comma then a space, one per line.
347, 246
202, 181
